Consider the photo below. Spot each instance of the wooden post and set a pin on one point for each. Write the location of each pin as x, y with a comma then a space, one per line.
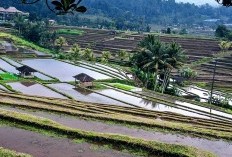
212, 86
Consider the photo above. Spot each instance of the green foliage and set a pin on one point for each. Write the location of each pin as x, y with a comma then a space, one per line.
188, 73
125, 15
10, 153
221, 31
60, 42
76, 52
183, 32
88, 54
105, 56
22, 42
225, 45
122, 86
8, 76
70, 31
169, 30
156, 57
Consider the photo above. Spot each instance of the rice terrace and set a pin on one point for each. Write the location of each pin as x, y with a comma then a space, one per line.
98, 78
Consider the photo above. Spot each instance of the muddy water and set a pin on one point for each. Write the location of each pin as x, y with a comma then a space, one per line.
219, 147
42, 146
82, 95
34, 89
146, 103
61, 70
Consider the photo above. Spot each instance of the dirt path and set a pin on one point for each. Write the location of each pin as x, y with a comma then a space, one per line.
219, 147
43, 146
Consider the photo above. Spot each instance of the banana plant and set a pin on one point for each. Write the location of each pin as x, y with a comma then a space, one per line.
61, 7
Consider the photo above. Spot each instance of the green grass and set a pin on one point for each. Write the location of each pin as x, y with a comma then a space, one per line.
8, 76
122, 86
22, 42
152, 147
70, 31
10, 153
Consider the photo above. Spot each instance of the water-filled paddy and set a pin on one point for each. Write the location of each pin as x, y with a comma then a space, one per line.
61, 70
34, 89
6, 66
83, 95
140, 102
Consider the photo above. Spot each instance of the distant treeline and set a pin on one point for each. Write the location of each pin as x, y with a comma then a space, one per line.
132, 14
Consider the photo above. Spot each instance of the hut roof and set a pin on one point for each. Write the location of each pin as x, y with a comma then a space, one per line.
26, 68
84, 77
2, 9
14, 10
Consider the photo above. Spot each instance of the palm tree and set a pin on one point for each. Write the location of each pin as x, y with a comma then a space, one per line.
174, 58
105, 56
88, 54
122, 55
155, 52
60, 42
76, 52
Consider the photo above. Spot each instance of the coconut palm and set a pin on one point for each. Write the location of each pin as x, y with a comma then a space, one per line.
88, 54
122, 55
105, 56
60, 42
174, 58
76, 52
154, 54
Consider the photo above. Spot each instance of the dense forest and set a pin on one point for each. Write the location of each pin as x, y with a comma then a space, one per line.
131, 13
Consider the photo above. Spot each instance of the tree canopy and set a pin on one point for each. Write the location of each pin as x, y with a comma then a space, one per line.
60, 6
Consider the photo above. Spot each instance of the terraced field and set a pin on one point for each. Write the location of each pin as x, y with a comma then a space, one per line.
140, 132
101, 40
195, 48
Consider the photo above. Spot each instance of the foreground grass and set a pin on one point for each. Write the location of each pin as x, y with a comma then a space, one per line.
22, 42
134, 117
160, 149
10, 153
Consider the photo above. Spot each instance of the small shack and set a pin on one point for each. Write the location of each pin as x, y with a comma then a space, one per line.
84, 80
26, 71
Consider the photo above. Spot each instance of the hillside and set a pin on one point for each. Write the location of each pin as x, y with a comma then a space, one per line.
131, 14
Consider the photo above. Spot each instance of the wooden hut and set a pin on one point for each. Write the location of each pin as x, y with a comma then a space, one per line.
26, 71
9, 13
84, 80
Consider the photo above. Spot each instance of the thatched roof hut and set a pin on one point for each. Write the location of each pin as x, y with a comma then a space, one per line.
84, 80
26, 71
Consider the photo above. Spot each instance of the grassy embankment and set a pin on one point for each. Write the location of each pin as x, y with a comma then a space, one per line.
10, 153
160, 149
127, 116
21, 42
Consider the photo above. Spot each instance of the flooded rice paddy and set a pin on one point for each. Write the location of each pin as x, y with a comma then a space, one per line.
61, 70
219, 147
140, 102
43, 146
84, 95
34, 89
9, 68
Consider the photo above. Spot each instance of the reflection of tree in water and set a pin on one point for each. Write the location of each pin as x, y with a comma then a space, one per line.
148, 102
153, 104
